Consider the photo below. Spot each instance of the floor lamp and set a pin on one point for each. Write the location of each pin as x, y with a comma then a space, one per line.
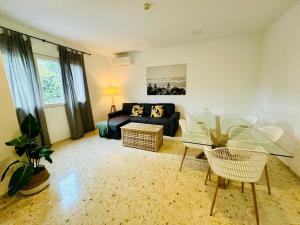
113, 106
112, 91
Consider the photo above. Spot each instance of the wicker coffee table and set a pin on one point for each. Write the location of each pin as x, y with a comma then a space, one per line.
143, 136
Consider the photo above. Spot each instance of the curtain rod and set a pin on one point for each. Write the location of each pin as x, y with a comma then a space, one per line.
44, 40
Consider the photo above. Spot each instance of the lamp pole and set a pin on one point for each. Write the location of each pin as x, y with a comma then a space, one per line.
113, 107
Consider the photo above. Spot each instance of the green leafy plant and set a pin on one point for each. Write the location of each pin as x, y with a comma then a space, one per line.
26, 145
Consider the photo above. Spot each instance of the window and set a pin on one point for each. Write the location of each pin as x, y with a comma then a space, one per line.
50, 79
78, 82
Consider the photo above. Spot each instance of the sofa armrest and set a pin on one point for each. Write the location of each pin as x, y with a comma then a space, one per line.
177, 120
174, 119
114, 114
177, 115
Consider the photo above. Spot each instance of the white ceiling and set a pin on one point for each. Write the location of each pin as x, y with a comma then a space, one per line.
122, 25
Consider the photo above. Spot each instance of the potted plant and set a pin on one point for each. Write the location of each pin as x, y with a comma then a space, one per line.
31, 177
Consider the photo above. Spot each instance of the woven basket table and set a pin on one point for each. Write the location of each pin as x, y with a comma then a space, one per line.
143, 136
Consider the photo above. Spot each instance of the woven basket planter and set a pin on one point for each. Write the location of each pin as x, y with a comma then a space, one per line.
38, 183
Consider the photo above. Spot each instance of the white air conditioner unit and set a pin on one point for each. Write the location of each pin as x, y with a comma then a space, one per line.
122, 61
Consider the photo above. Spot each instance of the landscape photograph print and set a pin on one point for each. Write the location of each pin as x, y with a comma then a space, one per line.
166, 80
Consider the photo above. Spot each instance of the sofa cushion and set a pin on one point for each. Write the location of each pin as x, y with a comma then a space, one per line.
147, 109
137, 111
143, 119
159, 121
169, 109
157, 111
118, 121
127, 108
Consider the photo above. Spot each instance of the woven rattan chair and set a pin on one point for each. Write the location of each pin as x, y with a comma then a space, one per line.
190, 117
241, 165
236, 131
252, 120
239, 132
272, 132
241, 138
193, 133
250, 145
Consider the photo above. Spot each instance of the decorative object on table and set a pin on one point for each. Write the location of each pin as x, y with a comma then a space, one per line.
31, 177
157, 111
143, 136
112, 91
241, 165
166, 80
103, 128
137, 110
122, 117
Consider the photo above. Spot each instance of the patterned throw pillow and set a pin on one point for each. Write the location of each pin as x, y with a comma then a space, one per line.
157, 111
137, 110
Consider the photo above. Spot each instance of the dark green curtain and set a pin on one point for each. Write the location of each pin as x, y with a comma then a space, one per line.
23, 79
78, 106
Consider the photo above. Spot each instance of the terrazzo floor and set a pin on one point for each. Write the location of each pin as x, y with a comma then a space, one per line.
98, 181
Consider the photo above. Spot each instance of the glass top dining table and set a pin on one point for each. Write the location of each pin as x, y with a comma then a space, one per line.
234, 131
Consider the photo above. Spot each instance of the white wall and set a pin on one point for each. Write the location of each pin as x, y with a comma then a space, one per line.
221, 74
98, 70
97, 67
9, 127
57, 123
278, 99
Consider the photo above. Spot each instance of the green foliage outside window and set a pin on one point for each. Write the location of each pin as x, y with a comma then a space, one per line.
50, 76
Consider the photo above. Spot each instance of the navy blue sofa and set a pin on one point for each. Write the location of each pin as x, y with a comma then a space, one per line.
122, 117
